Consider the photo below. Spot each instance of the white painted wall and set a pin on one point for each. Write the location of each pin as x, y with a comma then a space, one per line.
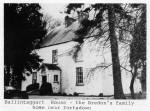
99, 81
50, 78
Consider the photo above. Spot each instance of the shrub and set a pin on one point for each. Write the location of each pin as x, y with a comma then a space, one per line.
70, 95
58, 94
15, 94
32, 87
101, 95
64, 94
46, 89
75, 94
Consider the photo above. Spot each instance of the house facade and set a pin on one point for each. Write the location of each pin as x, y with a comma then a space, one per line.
79, 68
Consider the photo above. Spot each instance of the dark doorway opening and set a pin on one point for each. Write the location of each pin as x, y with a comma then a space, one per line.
44, 79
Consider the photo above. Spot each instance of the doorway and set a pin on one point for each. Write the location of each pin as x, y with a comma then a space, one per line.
44, 79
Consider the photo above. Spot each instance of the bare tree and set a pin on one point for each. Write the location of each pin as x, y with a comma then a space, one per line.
138, 48
105, 14
51, 23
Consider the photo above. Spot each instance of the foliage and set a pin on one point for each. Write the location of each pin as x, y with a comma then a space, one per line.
138, 45
104, 14
73, 7
51, 23
46, 89
138, 49
120, 19
75, 94
15, 94
23, 30
32, 87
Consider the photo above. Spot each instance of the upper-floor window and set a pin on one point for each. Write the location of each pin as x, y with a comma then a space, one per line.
79, 76
54, 56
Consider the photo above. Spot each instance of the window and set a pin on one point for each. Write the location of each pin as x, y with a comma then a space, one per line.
34, 77
54, 56
43, 69
79, 76
56, 78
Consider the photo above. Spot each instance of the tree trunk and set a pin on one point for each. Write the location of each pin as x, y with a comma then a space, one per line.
143, 79
7, 75
17, 74
132, 82
118, 90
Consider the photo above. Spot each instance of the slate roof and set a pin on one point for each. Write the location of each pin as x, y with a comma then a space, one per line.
49, 66
60, 34
64, 34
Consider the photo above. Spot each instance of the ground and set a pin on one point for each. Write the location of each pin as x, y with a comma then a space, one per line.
65, 97
143, 96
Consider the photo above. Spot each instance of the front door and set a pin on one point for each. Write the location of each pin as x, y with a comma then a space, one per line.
44, 79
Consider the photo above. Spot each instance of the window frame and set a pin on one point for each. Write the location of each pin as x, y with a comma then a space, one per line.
79, 76
54, 56
55, 79
34, 77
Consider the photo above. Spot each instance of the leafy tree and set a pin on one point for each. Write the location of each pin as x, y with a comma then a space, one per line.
138, 48
23, 30
108, 13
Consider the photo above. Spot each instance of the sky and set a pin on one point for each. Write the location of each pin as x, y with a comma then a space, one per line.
54, 10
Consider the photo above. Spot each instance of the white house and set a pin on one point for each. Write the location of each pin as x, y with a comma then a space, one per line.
89, 72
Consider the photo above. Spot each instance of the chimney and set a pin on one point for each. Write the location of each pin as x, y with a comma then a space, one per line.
68, 21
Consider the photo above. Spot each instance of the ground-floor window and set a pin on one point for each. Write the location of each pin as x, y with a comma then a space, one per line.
34, 77
56, 78
79, 76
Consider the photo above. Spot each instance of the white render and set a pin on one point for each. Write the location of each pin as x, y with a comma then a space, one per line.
50, 79
99, 81
91, 56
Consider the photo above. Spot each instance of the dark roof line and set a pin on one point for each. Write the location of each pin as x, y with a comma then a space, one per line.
55, 44
86, 37
50, 66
